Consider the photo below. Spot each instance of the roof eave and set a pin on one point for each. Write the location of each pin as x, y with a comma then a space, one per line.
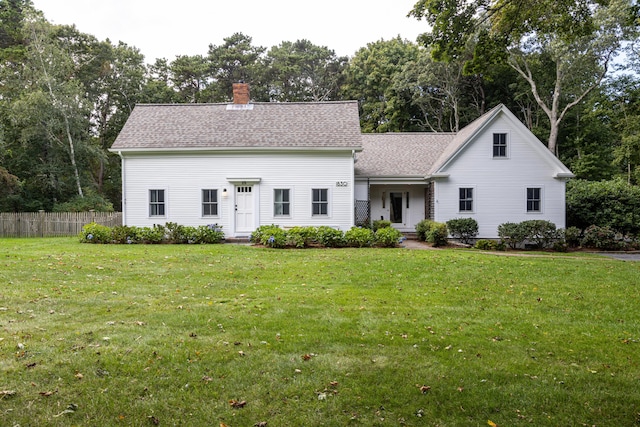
175, 150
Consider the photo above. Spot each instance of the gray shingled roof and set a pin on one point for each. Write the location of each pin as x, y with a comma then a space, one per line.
260, 125
400, 154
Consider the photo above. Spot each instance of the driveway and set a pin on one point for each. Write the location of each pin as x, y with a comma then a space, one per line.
624, 256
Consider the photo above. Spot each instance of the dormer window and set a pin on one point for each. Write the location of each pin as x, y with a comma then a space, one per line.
499, 145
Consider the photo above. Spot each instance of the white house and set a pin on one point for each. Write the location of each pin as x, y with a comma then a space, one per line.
240, 165
245, 164
494, 170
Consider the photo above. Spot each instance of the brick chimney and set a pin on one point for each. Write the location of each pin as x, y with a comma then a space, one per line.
240, 93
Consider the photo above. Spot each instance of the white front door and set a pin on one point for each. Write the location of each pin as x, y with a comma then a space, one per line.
244, 209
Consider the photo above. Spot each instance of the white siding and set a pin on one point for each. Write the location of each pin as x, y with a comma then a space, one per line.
410, 216
184, 176
500, 184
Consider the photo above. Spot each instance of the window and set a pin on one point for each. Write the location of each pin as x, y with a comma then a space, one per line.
499, 145
320, 201
466, 200
209, 202
156, 203
281, 202
533, 200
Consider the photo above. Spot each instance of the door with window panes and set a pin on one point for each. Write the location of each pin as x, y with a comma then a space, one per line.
244, 209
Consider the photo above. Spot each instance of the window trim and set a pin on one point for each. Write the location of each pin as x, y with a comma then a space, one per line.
539, 200
156, 204
283, 202
215, 203
506, 145
466, 200
320, 202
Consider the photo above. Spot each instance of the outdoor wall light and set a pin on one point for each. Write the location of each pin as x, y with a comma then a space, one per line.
224, 193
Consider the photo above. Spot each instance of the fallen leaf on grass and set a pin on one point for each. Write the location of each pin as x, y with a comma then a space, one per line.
260, 424
491, 423
79, 376
207, 378
4, 393
47, 393
424, 389
306, 356
155, 421
237, 404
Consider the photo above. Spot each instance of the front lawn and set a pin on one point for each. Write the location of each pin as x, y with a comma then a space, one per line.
234, 335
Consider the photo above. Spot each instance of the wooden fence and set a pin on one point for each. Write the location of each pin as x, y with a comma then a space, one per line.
53, 224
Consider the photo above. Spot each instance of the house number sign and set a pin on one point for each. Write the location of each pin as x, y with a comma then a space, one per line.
342, 183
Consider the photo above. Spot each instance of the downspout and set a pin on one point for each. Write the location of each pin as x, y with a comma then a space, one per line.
124, 188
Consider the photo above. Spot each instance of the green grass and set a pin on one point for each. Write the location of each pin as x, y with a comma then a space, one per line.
169, 335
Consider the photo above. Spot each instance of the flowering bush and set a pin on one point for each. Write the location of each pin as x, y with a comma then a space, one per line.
270, 235
95, 233
171, 233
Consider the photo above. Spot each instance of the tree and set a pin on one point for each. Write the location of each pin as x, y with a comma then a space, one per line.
234, 61
56, 100
442, 93
369, 79
578, 39
190, 75
302, 71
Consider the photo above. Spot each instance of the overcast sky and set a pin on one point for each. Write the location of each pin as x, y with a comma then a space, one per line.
186, 27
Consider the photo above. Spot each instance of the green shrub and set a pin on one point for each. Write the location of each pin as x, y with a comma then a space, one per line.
387, 237
572, 236
330, 237
175, 233
358, 237
124, 234
613, 204
486, 245
438, 234
464, 229
204, 234
270, 235
381, 223
540, 233
152, 235
560, 246
512, 234
95, 233
423, 228
301, 237
432, 232
603, 238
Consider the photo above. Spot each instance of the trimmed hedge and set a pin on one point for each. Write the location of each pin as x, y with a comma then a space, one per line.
463, 229
540, 233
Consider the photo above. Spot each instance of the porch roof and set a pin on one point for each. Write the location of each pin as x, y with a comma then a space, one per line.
410, 154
